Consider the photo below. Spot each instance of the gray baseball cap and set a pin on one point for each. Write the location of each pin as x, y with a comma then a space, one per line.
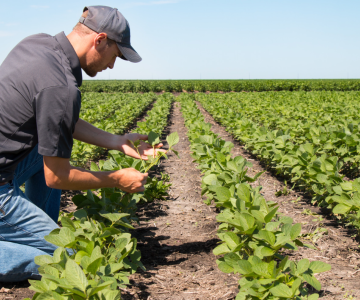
110, 21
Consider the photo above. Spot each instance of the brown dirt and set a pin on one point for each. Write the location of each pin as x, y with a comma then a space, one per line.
176, 237
336, 246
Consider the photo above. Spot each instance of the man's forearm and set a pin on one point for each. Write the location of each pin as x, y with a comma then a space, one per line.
59, 174
79, 179
90, 134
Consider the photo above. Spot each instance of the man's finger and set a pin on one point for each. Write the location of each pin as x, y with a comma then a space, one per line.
143, 137
159, 145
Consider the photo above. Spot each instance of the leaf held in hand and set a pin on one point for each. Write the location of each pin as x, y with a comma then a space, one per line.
172, 139
153, 138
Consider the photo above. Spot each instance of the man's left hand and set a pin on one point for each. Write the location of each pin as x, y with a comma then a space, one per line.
144, 149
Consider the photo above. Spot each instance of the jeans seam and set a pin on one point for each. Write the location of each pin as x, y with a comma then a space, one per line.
3, 204
34, 163
22, 229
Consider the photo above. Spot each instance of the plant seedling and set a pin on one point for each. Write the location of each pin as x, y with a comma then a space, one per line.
153, 140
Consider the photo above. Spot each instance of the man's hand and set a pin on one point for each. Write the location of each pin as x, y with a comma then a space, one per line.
145, 149
131, 180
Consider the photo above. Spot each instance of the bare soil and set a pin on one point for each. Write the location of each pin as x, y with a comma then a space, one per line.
176, 237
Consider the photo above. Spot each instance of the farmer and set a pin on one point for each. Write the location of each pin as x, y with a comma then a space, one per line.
39, 117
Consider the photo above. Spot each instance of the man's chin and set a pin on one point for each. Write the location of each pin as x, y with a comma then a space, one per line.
90, 73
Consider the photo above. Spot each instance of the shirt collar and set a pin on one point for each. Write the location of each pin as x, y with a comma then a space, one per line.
71, 55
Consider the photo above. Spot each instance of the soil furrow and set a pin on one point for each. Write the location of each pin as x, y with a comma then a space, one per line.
335, 244
176, 237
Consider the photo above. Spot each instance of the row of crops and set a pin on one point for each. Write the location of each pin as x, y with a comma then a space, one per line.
145, 86
254, 235
96, 252
113, 113
310, 138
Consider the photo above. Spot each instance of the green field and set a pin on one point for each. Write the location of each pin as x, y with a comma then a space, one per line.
111, 86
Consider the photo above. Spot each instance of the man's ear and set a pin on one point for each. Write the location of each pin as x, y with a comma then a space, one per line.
100, 39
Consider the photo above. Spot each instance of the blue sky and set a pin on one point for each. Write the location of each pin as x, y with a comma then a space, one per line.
199, 39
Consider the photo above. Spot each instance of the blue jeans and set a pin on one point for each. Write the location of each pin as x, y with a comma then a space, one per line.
25, 219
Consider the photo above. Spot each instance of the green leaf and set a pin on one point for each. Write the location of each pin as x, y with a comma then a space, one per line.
231, 239
94, 167
176, 153
75, 275
110, 295
243, 192
262, 269
79, 255
113, 217
64, 238
96, 253
224, 267
38, 286
319, 267
265, 251
267, 236
43, 260
81, 213
153, 138
295, 231
221, 249
271, 214
247, 221
67, 222
121, 243
244, 267
172, 139
222, 193
210, 179
231, 165
281, 290
99, 288
94, 266
312, 281
341, 209
347, 185
303, 265
296, 284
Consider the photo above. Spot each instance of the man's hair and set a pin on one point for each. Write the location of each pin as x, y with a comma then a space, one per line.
83, 30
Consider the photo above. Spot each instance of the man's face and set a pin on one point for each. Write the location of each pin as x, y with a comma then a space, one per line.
101, 58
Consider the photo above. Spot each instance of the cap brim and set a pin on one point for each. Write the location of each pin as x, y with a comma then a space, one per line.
129, 53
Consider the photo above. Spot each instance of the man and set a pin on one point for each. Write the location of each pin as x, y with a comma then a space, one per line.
39, 117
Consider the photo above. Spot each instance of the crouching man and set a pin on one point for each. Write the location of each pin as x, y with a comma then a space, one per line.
39, 117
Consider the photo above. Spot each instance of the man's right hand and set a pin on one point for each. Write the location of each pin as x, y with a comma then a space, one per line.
130, 180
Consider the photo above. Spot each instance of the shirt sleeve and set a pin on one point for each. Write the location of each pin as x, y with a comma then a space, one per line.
57, 112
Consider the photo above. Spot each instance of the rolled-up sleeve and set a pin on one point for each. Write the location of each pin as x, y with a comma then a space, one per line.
57, 112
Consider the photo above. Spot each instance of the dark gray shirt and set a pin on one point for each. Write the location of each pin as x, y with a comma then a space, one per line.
39, 100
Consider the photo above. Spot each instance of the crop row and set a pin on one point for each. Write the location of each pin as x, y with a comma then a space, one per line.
254, 236
127, 108
111, 86
96, 252
311, 160
157, 117
300, 117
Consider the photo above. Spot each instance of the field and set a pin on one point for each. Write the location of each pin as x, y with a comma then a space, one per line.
258, 197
